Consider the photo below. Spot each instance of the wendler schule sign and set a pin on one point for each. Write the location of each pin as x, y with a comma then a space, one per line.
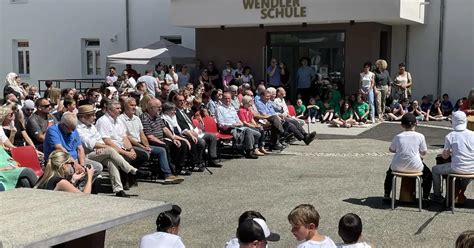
276, 9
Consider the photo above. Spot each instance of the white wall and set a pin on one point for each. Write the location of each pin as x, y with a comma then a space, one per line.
458, 48
423, 52
55, 30
213, 13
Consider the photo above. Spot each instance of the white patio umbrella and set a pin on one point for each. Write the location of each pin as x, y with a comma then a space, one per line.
162, 51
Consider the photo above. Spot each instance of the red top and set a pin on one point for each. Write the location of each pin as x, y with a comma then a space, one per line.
245, 115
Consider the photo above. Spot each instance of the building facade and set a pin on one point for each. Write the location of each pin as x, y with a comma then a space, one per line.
434, 38
71, 39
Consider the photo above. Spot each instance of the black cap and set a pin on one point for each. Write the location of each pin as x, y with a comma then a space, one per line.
255, 229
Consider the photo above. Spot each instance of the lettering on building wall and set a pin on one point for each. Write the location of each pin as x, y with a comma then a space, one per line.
275, 9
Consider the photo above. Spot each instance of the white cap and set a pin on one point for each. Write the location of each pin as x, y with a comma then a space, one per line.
459, 121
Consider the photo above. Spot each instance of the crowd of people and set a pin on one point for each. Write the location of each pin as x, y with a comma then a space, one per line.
170, 124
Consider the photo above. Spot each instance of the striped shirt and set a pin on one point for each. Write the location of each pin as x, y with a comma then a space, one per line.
152, 126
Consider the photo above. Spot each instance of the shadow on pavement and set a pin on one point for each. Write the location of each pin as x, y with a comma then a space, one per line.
375, 202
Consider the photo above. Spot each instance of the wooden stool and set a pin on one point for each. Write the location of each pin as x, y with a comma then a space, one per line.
453, 192
419, 180
470, 125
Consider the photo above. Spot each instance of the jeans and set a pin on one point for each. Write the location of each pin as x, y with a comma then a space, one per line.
261, 140
160, 153
438, 172
312, 113
371, 104
426, 184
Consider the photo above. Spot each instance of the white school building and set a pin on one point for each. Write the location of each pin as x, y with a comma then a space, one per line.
70, 39
50, 39
433, 37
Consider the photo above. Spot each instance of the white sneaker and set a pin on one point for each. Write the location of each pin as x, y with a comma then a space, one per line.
313, 120
309, 119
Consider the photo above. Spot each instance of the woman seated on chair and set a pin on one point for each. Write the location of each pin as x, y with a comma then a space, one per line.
59, 174
13, 132
12, 176
409, 146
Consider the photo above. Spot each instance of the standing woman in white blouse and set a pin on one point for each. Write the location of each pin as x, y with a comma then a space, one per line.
171, 78
367, 83
403, 82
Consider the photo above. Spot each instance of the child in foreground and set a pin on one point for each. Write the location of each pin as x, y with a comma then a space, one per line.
304, 220
167, 227
350, 231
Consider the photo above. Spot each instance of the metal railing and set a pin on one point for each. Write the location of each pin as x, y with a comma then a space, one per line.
80, 84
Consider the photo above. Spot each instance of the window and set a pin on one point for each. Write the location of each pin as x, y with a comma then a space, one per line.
91, 55
175, 39
22, 57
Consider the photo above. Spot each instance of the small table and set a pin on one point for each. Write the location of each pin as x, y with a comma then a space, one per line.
43, 218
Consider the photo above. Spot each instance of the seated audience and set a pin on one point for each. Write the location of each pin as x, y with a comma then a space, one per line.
158, 134
459, 145
346, 119
409, 147
435, 113
300, 109
416, 111
246, 117
312, 110
60, 175
229, 122
137, 137
361, 110
425, 105
350, 231
12, 176
206, 140
39, 121
195, 148
398, 110
69, 105
64, 137
114, 134
446, 105
167, 228
96, 150
304, 221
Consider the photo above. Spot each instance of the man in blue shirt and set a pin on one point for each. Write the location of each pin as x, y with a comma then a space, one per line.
64, 136
265, 108
279, 125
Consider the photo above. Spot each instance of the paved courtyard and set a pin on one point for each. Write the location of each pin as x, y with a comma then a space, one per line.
341, 172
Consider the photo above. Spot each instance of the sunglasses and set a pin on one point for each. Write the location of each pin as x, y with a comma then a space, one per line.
70, 163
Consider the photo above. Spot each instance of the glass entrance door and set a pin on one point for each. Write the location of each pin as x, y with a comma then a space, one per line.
323, 50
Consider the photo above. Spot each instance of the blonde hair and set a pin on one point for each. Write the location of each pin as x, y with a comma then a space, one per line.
144, 102
54, 95
4, 110
54, 167
304, 214
382, 62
